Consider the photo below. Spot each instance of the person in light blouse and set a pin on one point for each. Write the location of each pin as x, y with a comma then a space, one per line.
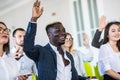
109, 53
9, 67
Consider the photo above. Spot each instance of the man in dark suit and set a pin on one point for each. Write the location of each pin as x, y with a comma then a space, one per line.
53, 62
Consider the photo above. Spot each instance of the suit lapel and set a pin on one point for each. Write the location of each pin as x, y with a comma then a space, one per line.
52, 52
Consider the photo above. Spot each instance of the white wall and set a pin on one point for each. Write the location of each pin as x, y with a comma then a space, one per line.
110, 9
20, 16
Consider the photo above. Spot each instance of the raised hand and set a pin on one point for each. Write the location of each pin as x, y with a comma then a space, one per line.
23, 77
36, 11
102, 23
18, 53
86, 40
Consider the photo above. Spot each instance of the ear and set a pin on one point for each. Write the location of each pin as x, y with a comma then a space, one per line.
49, 35
14, 39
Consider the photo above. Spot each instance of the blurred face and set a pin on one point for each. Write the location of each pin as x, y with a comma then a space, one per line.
68, 41
19, 37
114, 33
57, 35
4, 34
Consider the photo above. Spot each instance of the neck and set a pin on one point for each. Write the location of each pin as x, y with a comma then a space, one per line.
56, 45
112, 42
67, 49
1, 50
114, 46
87, 46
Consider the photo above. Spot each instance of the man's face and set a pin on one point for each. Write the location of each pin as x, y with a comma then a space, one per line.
19, 37
57, 35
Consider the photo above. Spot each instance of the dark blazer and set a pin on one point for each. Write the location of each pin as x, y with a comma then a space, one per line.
96, 42
44, 56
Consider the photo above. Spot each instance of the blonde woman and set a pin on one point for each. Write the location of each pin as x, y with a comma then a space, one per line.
78, 56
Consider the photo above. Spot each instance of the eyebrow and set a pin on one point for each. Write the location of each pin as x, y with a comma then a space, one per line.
3, 28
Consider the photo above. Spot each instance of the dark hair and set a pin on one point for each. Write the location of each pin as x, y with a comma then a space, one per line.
105, 40
18, 29
51, 25
6, 47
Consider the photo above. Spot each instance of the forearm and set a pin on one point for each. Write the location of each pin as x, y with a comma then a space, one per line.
95, 42
113, 74
30, 36
29, 39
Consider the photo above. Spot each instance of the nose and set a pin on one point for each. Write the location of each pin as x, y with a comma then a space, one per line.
22, 38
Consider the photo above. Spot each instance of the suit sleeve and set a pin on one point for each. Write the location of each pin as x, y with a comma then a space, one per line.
30, 50
96, 39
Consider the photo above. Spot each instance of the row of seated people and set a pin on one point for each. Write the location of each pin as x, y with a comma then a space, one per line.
46, 56
108, 56
23, 65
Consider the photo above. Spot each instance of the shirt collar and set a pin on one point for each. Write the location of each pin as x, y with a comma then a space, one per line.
55, 48
4, 55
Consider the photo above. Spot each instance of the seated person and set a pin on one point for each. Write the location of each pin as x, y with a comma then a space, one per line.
96, 42
78, 56
9, 67
109, 53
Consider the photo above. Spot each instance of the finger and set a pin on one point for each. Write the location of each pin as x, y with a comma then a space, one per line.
20, 78
25, 77
37, 3
17, 50
41, 10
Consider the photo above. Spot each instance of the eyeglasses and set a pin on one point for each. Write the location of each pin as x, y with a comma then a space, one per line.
69, 39
6, 30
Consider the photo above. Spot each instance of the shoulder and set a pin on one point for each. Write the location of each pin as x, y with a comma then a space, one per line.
12, 61
105, 50
104, 46
76, 51
69, 55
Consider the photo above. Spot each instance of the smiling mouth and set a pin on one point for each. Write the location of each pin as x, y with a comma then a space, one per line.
62, 38
5, 36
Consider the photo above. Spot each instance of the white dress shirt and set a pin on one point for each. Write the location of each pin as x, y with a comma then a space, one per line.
63, 72
27, 65
108, 59
9, 68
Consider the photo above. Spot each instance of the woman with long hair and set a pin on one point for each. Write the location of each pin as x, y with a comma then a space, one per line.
109, 55
9, 67
78, 56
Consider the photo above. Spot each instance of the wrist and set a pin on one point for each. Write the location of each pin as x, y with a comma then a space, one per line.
100, 29
33, 19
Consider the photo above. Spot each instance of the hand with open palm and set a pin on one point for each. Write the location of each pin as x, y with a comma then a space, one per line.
36, 11
102, 23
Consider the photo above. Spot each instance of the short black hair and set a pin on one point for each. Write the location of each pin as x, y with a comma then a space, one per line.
18, 29
51, 25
